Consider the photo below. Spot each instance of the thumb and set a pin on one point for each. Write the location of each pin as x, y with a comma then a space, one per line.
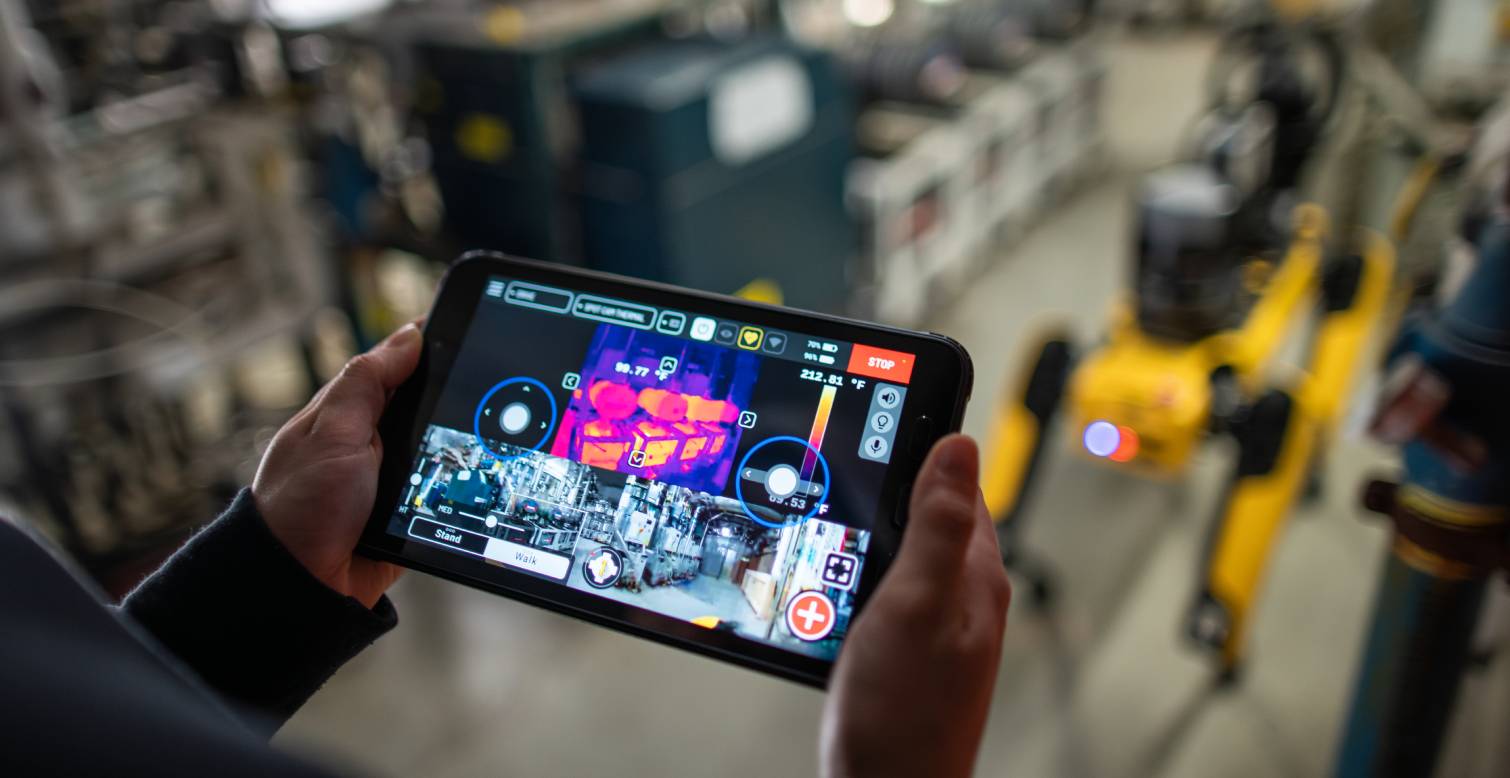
943, 511
361, 391
397, 355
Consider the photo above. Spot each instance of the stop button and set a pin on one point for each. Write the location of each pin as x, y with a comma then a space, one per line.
895, 366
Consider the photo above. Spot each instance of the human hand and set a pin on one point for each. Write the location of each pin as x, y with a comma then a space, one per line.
910, 693
317, 481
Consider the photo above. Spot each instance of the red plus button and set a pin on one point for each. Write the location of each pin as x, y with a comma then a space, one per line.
810, 616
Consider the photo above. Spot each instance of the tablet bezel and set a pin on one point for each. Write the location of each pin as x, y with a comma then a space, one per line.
940, 396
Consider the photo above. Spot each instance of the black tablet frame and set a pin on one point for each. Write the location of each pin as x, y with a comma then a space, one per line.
934, 405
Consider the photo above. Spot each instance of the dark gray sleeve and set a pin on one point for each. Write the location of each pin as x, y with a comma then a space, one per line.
235, 606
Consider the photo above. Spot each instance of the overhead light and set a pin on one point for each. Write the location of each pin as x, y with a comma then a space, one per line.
309, 14
869, 13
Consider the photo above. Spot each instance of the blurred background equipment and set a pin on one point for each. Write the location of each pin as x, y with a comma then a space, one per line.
493, 88
975, 116
207, 206
163, 286
1445, 402
702, 161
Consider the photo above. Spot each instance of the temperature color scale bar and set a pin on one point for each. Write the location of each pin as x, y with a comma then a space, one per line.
820, 426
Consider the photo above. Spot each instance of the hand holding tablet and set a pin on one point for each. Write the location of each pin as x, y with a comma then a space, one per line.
727, 477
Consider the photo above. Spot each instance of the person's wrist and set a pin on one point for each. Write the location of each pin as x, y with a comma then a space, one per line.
278, 525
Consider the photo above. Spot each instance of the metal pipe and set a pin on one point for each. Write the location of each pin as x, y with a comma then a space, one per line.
1451, 522
1418, 646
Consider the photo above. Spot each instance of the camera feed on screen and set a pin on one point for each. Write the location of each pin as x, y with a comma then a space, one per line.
711, 471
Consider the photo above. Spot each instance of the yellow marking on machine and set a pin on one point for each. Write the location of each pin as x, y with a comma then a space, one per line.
1430, 562
761, 290
485, 138
1443, 510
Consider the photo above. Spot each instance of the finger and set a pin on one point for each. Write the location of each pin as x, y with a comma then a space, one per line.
397, 355
982, 543
358, 395
418, 324
942, 518
320, 394
986, 576
985, 528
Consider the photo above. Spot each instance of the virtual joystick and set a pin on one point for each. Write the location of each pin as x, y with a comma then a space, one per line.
517, 413
783, 477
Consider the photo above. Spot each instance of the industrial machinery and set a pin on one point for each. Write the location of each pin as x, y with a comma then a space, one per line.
715, 180
492, 91
1444, 401
973, 116
661, 139
162, 296
1228, 265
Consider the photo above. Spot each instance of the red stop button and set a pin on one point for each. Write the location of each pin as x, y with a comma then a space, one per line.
894, 366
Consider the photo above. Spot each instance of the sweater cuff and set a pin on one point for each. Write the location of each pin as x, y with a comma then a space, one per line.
239, 609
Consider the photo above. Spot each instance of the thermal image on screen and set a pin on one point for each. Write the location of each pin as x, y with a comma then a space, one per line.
658, 407
714, 472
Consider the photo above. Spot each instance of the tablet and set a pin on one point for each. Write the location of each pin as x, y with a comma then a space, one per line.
723, 476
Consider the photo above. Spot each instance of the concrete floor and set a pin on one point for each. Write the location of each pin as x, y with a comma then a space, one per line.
471, 684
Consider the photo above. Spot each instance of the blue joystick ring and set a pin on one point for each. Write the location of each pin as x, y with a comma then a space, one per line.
739, 485
549, 428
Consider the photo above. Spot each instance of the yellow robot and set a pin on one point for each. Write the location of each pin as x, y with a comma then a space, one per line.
1221, 285
1145, 401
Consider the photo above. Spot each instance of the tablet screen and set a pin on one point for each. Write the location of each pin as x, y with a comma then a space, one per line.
710, 470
